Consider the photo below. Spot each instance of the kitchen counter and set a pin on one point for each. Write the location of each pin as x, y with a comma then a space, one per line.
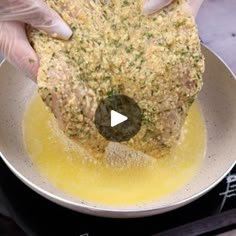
217, 28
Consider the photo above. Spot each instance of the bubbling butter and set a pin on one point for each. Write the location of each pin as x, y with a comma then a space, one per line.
76, 172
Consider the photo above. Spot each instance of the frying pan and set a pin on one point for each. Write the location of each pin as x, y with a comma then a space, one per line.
218, 104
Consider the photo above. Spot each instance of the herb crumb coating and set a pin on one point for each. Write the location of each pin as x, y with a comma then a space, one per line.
156, 60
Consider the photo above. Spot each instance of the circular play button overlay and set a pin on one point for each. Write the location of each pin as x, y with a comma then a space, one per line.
118, 118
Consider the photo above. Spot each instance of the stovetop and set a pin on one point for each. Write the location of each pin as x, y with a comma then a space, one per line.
24, 212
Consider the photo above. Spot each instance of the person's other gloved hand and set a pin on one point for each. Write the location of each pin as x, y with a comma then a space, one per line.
14, 45
152, 6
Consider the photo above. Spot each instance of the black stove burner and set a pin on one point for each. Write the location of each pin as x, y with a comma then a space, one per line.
213, 213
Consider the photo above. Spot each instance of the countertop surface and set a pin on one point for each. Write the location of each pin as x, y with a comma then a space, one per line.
217, 28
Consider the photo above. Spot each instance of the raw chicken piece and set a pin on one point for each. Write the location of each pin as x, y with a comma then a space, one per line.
154, 59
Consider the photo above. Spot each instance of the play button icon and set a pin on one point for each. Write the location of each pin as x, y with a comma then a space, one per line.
118, 118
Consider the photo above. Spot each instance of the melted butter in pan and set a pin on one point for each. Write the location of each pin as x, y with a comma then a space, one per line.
74, 171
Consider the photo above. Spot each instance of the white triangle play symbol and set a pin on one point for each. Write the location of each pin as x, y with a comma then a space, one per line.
117, 118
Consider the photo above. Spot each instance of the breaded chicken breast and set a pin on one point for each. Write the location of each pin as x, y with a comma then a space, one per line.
114, 49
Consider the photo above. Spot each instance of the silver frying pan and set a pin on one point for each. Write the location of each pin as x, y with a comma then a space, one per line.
218, 103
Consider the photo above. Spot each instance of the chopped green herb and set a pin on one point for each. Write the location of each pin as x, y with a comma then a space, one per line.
111, 92
125, 3
148, 35
129, 48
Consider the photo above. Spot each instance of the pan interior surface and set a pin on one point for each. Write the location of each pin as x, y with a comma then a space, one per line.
217, 100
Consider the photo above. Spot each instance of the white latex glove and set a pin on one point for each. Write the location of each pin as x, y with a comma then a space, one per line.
14, 45
151, 6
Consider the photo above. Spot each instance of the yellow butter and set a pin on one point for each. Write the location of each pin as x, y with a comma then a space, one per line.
89, 179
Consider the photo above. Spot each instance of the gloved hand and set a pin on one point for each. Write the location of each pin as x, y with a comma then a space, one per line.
151, 6
14, 45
